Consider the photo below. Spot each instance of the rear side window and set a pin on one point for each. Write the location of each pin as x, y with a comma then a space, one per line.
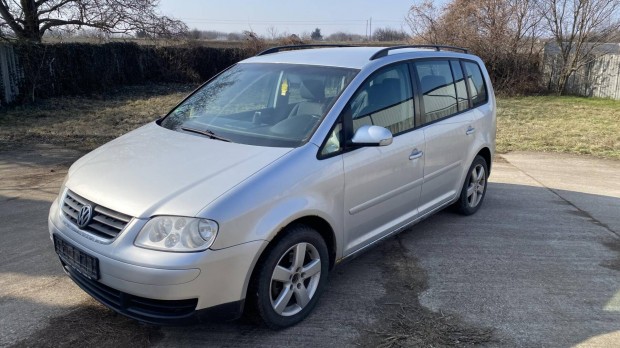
461, 88
477, 87
437, 88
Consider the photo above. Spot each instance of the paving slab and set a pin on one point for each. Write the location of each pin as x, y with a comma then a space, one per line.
529, 263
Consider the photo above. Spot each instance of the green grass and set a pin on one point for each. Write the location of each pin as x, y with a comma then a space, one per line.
559, 124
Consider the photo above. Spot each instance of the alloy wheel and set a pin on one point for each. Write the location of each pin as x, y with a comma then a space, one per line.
477, 185
295, 279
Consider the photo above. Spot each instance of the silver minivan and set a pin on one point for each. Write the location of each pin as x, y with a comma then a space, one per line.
254, 187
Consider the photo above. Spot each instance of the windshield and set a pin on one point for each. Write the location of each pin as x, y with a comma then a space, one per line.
262, 104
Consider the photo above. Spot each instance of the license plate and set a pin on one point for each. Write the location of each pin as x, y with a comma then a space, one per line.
81, 262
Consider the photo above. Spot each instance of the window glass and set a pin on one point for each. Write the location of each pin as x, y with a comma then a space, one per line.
255, 97
385, 100
461, 88
262, 104
438, 90
476, 84
334, 141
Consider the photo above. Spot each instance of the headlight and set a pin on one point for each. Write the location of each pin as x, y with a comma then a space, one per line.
176, 233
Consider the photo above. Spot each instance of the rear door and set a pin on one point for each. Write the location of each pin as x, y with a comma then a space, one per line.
447, 123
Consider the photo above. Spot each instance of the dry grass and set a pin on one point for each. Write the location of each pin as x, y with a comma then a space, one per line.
87, 122
559, 124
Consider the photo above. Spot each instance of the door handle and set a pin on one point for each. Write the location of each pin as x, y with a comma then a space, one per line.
416, 154
470, 130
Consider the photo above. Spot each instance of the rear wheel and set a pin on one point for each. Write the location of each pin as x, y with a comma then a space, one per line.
474, 188
291, 277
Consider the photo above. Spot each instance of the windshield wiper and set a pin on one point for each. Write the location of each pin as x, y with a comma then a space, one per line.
206, 132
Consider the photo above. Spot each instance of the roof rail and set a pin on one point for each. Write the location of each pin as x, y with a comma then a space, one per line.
384, 52
297, 47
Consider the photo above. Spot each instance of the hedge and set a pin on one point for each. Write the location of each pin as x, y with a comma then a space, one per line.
76, 68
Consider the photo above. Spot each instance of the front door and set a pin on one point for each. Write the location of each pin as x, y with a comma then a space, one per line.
382, 184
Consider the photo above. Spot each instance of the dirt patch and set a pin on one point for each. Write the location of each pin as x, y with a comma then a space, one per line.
584, 214
615, 263
92, 325
402, 320
499, 159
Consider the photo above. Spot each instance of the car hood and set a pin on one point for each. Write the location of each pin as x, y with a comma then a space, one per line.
156, 171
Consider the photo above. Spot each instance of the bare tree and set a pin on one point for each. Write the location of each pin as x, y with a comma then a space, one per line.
389, 34
503, 33
29, 20
483, 25
342, 36
194, 34
579, 28
272, 33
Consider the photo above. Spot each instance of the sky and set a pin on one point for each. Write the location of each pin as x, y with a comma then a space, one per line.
292, 17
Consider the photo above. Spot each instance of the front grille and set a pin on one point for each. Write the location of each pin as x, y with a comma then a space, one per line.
140, 308
105, 223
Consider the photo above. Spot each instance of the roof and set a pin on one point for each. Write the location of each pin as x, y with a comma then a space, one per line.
346, 57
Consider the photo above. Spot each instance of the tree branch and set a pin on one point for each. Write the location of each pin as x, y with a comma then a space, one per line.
9, 19
54, 22
54, 7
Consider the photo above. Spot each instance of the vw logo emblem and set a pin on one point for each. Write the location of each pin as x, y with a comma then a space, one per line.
84, 216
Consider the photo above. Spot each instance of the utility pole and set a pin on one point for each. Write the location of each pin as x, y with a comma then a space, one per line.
370, 31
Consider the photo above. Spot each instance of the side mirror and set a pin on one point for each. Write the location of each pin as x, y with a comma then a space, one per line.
372, 136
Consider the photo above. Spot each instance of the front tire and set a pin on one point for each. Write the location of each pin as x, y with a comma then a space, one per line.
291, 277
475, 187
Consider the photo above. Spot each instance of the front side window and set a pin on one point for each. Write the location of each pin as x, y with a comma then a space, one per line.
437, 88
262, 104
333, 143
385, 100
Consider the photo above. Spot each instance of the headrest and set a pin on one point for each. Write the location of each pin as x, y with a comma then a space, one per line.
391, 83
432, 82
312, 89
384, 94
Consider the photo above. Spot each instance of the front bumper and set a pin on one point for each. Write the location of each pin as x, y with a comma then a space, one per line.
161, 287
156, 312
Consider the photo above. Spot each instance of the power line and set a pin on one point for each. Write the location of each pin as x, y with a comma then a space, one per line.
300, 22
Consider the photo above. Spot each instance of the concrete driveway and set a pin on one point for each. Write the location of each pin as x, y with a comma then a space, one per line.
538, 265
